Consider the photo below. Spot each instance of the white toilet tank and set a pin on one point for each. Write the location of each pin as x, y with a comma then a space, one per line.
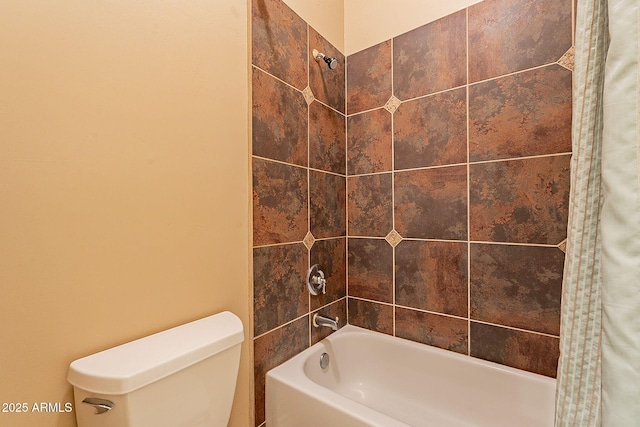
181, 377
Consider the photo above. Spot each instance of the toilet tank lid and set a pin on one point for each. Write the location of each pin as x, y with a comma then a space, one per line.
123, 369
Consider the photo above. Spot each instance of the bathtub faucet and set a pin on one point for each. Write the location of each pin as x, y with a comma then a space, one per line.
325, 321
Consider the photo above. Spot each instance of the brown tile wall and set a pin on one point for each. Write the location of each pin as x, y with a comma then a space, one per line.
437, 206
458, 142
299, 186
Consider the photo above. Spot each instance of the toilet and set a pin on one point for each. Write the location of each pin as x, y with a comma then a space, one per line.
182, 377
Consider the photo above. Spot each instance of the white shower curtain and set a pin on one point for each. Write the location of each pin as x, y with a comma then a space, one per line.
599, 368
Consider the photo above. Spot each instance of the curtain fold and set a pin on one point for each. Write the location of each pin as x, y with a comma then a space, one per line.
599, 367
579, 382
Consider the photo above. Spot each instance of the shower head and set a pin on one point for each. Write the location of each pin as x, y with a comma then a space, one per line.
331, 62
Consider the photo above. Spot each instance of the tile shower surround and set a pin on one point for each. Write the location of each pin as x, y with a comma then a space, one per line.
299, 186
442, 193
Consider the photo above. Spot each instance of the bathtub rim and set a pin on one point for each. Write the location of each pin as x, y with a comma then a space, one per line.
291, 374
349, 329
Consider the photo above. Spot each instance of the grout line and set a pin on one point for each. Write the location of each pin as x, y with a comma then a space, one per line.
346, 147
308, 161
279, 161
298, 90
539, 156
309, 53
346, 86
420, 239
365, 111
309, 178
536, 156
372, 301
309, 326
272, 245
468, 191
413, 239
458, 317
536, 245
251, 291
299, 166
319, 239
461, 86
431, 167
328, 172
278, 78
346, 249
296, 319
328, 106
346, 182
574, 22
391, 48
513, 328
367, 237
481, 242
370, 174
309, 314
435, 93
452, 316
346, 190
513, 73
281, 326
393, 203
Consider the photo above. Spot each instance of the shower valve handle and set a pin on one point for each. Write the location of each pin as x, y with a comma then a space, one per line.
316, 283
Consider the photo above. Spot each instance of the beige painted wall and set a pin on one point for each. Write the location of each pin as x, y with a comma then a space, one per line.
123, 183
369, 22
354, 25
325, 16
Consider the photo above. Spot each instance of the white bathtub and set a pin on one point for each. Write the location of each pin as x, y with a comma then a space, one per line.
377, 380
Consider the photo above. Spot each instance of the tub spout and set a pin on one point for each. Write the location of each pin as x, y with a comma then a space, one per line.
325, 321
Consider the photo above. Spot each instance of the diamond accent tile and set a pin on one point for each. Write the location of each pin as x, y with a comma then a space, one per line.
568, 59
393, 238
308, 95
563, 246
392, 104
309, 240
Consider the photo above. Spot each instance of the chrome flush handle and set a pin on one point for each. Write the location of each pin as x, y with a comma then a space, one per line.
101, 405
